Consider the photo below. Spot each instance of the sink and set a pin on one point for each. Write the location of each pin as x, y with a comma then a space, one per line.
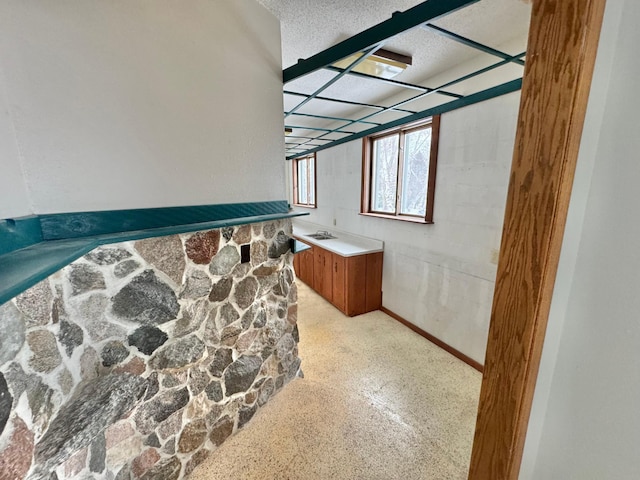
321, 236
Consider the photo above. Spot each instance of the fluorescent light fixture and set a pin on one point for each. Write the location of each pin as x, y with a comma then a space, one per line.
383, 63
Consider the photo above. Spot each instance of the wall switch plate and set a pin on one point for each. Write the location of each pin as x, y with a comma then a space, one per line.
245, 253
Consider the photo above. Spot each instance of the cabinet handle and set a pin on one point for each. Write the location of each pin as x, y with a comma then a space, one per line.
336, 266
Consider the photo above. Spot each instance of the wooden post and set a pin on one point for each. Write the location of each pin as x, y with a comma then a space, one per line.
563, 40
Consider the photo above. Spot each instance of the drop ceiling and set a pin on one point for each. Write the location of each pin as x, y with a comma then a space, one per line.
311, 26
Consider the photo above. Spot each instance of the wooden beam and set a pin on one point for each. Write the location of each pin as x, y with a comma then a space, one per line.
563, 40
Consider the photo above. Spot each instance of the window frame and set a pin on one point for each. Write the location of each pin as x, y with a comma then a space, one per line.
313, 185
367, 167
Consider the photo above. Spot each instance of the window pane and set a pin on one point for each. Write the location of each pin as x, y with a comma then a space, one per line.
415, 174
312, 181
302, 181
384, 174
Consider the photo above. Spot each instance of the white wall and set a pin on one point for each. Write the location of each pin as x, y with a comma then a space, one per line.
585, 423
440, 277
14, 200
140, 103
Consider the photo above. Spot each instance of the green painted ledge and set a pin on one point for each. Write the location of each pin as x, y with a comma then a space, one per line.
28, 254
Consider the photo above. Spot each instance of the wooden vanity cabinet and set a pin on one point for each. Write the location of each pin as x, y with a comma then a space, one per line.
352, 284
363, 283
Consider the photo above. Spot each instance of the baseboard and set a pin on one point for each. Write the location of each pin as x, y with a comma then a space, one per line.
434, 340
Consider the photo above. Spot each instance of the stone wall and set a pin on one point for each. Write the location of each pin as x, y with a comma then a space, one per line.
141, 358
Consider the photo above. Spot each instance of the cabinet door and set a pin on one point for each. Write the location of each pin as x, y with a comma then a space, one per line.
318, 269
356, 285
339, 278
374, 282
326, 288
306, 267
322, 276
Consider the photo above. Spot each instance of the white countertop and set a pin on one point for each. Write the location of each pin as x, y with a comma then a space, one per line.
345, 244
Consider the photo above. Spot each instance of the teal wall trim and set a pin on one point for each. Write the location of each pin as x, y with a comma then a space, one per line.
84, 224
19, 233
37, 256
24, 268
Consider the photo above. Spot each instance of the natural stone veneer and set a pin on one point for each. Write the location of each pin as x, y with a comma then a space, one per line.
139, 359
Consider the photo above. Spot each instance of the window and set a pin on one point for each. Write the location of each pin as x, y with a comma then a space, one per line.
399, 170
304, 181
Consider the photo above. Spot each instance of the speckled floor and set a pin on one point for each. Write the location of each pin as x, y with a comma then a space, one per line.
377, 402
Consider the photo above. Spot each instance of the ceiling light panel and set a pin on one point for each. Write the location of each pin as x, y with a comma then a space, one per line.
382, 64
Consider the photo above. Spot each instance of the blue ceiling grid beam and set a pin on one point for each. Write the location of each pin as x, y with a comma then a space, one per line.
422, 95
445, 85
328, 130
345, 102
393, 82
324, 117
353, 65
471, 43
375, 36
508, 87
298, 144
368, 42
306, 138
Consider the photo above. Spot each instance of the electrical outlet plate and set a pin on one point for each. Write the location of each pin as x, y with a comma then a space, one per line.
245, 253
